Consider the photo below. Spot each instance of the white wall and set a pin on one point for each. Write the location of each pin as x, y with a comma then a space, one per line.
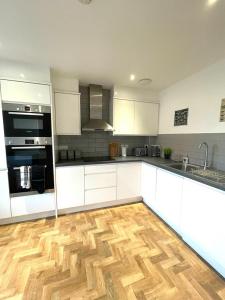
202, 94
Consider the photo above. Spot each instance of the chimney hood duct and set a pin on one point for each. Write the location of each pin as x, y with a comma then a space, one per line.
96, 123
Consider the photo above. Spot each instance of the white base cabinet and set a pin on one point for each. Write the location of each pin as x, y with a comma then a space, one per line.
168, 198
100, 183
70, 186
203, 222
128, 180
5, 210
32, 204
148, 184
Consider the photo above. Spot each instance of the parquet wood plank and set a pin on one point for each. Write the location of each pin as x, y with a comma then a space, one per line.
123, 253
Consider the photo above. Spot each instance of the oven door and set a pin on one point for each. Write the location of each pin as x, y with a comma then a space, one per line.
24, 124
28, 156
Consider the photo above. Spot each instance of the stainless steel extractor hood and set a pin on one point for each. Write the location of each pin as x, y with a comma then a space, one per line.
96, 123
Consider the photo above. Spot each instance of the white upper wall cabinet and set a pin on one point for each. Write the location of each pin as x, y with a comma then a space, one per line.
25, 92
135, 117
134, 111
67, 114
123, 117
146, 118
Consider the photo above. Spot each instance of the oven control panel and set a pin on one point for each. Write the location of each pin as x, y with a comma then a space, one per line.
20, 141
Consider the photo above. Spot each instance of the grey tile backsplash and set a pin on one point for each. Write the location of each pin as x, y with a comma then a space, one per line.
183, 144
96, 144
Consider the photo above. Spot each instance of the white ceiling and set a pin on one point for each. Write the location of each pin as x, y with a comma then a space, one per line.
108, 40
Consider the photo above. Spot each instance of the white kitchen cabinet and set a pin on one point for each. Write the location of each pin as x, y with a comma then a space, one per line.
100, 195
123, 117
3, 164
128, 180
70, 186
32, 204
148, 184
67, 114
135, 117
25, 92
5, 211
100, 183
203, 222
101, 168
96, 181
146, 118
168, 198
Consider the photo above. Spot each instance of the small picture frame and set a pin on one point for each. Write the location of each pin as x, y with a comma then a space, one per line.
222, 111
181, 117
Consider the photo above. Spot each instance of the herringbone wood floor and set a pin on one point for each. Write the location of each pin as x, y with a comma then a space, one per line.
118, 253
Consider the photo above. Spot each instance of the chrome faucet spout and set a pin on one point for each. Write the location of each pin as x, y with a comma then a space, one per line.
206, 153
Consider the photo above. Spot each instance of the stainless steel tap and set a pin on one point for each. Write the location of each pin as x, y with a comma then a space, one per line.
206, 153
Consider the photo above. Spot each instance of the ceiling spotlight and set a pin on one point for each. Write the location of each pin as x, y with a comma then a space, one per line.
132, 77
85, 1
144, 81
211, 2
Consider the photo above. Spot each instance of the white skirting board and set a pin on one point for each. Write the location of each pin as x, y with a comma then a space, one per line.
99, 205
32, 217
51, 213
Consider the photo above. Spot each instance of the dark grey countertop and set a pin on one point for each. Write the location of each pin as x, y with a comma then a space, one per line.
155, 161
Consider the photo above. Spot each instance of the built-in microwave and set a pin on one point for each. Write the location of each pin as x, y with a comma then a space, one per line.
21, 120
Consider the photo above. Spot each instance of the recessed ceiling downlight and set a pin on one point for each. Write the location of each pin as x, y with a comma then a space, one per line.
144, 81
85, 1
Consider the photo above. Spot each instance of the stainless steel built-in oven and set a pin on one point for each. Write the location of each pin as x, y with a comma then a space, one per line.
21, 120
30, 165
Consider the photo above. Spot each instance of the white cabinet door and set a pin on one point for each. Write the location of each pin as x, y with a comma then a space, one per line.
2, 142
32, 204
25, 92
168, 198
123, 117
148, 184
128, 180
67, 114
70, 186
146, 118
5, 211
203, 222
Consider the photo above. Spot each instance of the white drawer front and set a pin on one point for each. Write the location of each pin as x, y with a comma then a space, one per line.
100, 195
96, 181
32, 204
100, 169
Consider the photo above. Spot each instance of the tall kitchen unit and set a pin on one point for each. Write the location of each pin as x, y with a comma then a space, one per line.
5, 209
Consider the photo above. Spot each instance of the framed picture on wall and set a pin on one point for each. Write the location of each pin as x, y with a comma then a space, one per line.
181, 117
222, 111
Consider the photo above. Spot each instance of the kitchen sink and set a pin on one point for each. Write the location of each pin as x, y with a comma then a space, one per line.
188, 168
209, 174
